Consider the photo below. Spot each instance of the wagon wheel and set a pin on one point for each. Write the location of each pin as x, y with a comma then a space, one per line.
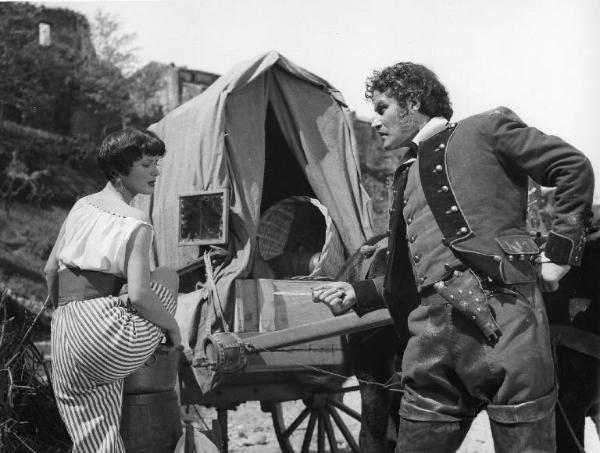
321, 411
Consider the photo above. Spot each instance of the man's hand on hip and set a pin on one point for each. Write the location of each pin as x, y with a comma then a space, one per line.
550, 275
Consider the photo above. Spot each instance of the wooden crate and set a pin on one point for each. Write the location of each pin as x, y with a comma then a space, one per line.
266, 305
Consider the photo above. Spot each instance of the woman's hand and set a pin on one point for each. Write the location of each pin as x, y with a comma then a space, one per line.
338, 296
173, 337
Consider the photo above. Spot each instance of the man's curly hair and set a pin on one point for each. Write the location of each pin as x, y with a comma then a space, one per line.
408, 82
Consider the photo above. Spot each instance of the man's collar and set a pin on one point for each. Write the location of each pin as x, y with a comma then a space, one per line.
407, 159
434, 126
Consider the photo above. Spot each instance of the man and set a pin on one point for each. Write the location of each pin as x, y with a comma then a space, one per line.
462, 268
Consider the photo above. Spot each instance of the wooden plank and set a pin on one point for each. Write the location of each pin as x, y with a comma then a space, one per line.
239, 321
246, 306
324, 352
293, 361
345, 324
268, 386
266, 305
230, 395
294, 304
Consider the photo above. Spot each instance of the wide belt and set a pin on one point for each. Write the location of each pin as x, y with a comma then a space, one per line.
78, 284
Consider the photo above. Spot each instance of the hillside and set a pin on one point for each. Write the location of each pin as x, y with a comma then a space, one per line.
41, 176
26, 239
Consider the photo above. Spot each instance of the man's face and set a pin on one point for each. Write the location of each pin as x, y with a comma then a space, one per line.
393, 122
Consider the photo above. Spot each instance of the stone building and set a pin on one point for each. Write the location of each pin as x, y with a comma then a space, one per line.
163, 87
68, 28
377, 167
41, 50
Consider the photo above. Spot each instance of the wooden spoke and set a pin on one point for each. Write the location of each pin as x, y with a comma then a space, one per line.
296, 423
318, 413
321, 434
276, 411
341, 406
309, 432
344, 429
329, 431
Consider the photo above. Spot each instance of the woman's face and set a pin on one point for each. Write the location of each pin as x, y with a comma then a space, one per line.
142, 176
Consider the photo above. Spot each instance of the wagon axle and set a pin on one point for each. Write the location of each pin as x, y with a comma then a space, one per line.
224, 352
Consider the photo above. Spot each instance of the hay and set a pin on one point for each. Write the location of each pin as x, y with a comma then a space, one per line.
29, 419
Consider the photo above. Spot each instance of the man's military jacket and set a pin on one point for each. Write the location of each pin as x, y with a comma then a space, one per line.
474, 175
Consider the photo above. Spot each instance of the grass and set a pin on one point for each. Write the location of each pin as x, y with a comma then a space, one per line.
29, 420
26, 239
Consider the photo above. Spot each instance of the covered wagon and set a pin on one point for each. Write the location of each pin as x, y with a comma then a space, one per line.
261, 183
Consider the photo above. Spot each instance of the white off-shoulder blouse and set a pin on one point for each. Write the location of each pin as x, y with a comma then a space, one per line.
95, 239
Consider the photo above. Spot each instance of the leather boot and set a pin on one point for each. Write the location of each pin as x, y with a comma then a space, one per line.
525, 437
431, 437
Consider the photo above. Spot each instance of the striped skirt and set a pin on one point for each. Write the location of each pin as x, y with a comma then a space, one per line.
96, 343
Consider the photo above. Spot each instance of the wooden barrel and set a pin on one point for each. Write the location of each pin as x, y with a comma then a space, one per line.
293, 264
150, 423
300, 229
158, 374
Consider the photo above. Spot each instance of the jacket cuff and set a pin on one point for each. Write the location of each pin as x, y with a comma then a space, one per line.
564, 250
368, 295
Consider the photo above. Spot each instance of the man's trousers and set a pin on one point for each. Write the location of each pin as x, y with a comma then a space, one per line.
450, 373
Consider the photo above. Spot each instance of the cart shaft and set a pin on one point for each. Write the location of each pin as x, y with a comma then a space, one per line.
341, 325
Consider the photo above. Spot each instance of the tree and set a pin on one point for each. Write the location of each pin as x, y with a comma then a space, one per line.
41, 85
105, 91
113, 46
104, 86
144, 84
14, 64
31, 77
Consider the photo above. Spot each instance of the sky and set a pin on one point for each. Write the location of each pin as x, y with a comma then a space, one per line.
541, 58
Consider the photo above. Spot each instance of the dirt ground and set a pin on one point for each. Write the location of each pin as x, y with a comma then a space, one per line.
251, 430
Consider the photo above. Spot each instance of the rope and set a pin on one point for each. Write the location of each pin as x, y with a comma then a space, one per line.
216, 301
569, 427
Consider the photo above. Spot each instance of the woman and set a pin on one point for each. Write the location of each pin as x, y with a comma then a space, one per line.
99, 338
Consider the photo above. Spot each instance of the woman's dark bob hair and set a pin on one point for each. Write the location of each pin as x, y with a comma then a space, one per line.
121, 149
411, 82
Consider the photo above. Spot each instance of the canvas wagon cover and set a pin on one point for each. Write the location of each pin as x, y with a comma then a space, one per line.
217, 140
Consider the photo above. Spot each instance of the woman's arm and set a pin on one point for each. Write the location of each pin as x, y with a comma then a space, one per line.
145, 301
51, 269
51, 272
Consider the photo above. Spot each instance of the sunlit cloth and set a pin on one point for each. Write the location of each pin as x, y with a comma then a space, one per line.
95, 344
95, 239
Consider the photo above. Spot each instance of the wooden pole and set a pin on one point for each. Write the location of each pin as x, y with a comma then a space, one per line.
341, 325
